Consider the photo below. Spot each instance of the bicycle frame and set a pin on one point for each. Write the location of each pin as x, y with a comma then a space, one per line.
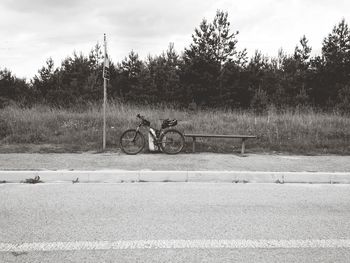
152, 131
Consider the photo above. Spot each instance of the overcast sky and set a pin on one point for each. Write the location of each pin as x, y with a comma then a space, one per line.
33, 30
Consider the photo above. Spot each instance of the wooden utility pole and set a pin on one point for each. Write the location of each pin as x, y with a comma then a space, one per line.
105, 79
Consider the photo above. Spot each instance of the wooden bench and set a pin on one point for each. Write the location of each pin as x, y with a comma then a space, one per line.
243, 137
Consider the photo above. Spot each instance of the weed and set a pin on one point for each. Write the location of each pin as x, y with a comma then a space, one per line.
34, 180
19, 253
75, 181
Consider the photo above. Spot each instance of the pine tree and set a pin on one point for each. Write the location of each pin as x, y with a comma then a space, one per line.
213, 46
132, 71
336, 47
44, 83
333, 68
302, 53
13, 89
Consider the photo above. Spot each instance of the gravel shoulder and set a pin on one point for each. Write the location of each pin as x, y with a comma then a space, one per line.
162, 162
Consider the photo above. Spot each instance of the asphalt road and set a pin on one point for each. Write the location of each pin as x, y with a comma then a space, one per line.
175, 222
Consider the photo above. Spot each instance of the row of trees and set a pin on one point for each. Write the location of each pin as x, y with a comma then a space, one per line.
210, 72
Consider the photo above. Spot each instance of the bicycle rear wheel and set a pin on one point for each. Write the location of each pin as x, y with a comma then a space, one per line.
172, 141
132, 141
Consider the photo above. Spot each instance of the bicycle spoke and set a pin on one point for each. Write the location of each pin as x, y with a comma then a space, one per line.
131, 142
172, 142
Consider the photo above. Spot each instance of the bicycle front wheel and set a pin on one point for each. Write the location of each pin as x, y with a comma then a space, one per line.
132, 141
172, 141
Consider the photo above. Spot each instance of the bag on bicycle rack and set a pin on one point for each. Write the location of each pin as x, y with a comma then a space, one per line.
169, 123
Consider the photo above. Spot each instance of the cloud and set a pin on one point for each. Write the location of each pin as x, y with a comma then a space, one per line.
147, 19
42, 7
32, 31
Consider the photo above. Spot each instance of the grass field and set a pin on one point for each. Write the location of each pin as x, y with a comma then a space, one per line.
44, 129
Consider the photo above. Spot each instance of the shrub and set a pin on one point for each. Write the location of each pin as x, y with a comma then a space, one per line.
259, 102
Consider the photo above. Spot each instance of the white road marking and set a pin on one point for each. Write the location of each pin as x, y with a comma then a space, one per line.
175, 244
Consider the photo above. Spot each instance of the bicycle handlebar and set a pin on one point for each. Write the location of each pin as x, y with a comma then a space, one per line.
140, 117
144, 121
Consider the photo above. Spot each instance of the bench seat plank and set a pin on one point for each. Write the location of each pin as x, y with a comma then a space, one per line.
219, 135
194, 136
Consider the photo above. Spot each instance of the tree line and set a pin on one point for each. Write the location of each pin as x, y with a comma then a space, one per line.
211, 72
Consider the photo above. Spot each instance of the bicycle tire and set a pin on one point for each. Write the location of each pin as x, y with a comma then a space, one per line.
136, 139
172, 141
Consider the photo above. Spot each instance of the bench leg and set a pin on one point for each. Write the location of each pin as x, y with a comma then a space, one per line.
243, 146
193, 144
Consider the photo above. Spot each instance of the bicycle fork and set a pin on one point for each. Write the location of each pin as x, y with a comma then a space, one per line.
137, 131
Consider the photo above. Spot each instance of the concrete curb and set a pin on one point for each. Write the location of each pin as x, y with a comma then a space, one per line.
117, 176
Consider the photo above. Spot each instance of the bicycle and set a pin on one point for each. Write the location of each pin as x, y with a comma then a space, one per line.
170, 141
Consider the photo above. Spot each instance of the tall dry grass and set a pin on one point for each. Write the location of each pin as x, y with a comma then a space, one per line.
80, 129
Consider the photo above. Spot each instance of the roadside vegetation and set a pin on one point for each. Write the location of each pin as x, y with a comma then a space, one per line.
303, 131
